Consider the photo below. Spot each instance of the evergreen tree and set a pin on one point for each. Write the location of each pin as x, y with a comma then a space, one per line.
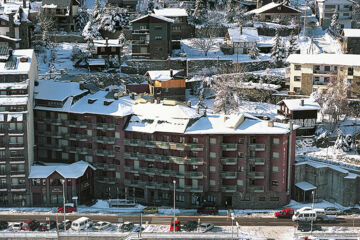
97, 7
150, 5
231, 11
293, 47
200, 11
278, 50
254, 52
334, 25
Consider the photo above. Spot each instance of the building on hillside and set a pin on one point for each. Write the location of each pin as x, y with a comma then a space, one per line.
18, 72
351, 41
151, 37
236, 161
277, 12
324, 10
106, 48
241, 39
309, 73
302, 112
63, 12
128, 4
75, 121
47, 189
180, 29
167, 84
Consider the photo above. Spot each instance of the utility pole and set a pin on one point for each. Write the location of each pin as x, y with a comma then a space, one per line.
174, 204
63, 183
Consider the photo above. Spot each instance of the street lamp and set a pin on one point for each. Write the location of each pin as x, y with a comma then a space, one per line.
232, 225
313, 194
174, 182
64, 209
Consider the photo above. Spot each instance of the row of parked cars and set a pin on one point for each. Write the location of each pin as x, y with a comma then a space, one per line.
205, 209
289, 212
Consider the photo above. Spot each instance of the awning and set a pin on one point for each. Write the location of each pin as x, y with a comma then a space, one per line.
305, 186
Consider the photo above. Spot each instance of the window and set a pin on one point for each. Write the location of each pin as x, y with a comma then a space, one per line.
212, 169
326, 79
316, 79
195, 140
143, 27
297, 78
158, 37
181, 140
158, 27
240, 154
275, 169
241, 141
16, 140
316, 68
327, 68
212, 183
350, 71
176, 28
180, 198
165, 196
297, 67
211, 198
276, 140
212, 155
275, 155
241, 169
240, 182
274, 183
213, 141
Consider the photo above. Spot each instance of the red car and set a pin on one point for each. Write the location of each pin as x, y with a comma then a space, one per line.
69, 208
177, 226
285, 213
30, 225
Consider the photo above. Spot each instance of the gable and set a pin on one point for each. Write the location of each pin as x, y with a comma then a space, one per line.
282, 9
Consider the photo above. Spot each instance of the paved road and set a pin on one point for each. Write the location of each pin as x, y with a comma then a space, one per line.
165, 220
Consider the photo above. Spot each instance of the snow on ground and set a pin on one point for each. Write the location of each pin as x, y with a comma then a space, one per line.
258, 108
323, 204
89, 4
272, 71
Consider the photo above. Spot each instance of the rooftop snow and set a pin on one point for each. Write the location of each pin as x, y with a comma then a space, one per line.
328, 59
110, 43
13, 101
21, 67
248, 34
13, 86
171, 12
49, 6
295, 104
155, 16
74, 170
216, 124
162, 75
305, 186
96, 62
268, 7
349, 32
56, 90
10, 38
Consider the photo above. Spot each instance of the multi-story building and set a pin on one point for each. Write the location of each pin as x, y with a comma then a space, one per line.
309, 73
76, 122
63, 12
351, 41
18, 71
325, 10
151, 37
128, 4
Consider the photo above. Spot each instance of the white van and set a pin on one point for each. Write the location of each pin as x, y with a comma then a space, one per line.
81, 224
306, 216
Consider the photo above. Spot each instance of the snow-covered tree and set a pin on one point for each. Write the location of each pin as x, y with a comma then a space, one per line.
334, 24
44, 26
200, 12
81, 20
225, 98
254, 51
231, 10
278, 50
293, 46
206, 40
150, 6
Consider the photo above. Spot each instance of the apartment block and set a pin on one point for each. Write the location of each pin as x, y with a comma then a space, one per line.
18, 72
309, 73
351, 41
325, 9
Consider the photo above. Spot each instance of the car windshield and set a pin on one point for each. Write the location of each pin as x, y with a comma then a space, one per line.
297, 214
26, 225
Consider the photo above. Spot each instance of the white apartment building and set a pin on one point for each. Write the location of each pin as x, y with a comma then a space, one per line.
325, 9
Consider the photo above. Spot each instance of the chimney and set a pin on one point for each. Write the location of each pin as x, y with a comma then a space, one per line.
302, 102
270, 123
24, 4
11, 25
291, 126
171, 73
158, 100
188, 103
106, 41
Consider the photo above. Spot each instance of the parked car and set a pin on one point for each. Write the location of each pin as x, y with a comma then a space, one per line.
126, 227
350, 211
99, 226
285, 213
177, 226
69, 208
326, 218
190, 226
16, 226
332, 211
305, 216
208, 210
64, 225
204, 227
30, 225
4, 225
82, 223
137, 228
48, 225
151, 209
306, 227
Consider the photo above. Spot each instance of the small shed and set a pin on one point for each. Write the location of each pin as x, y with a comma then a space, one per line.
241, 39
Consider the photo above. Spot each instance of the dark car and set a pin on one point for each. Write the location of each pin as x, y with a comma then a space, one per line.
208, 209
126, 227
350, 211
30, 225
306, 227
332, 211
64, 226
190, 226
48, 225
4, 225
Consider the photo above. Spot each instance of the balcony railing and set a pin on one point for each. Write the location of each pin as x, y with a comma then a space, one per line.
228, 161
140, 42
229, 147
228, 188
105, 140
229, 175
105, 126
76, 124
257, 147
106, 180
164, 145
257, 161
256, 175
256, 188
324, 72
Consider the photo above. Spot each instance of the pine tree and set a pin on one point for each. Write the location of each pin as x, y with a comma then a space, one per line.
293, 47
277, 51
254, 52
200, 11
231, 10
334, 24
150, 5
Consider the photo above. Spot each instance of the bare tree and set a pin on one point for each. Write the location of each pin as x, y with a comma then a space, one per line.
206, 39
45, 25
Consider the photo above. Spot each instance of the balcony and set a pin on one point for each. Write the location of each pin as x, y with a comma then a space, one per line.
229, 147
324, 72
253, 188
105, 126
228, 189
164, 186
134, 183
77, 124
130, 155
165, 173
140, 42
162, 145
104, 140
18, 186
228, 161
141, 31
196, 147
104, 153
229, 175
106, 180
151, 185
177, 146
55, 122
150, 171
194, 175
78, 137
319, 83
256, 175
257, 147
257, 161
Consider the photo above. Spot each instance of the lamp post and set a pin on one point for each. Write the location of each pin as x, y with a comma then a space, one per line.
63, 184
232, 225
174, 182
313, 194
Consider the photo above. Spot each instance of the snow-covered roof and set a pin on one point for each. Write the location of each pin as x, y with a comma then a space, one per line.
155, 16
74, 170
49, 6
350, 32
20, 67
221, 124
9, 101
305, 186
57, 90
161, 75
268, 7
110, 43
96, 62
328, 59
248, 34
295, 104
171, 12
10, 38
